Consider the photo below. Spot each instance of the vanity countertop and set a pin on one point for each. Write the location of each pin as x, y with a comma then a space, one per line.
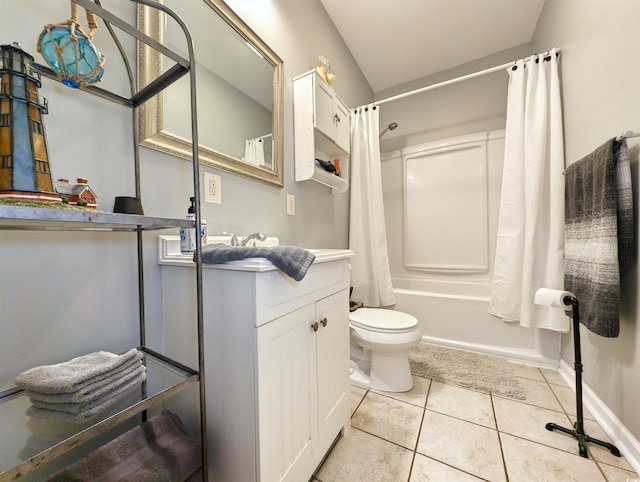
169, 254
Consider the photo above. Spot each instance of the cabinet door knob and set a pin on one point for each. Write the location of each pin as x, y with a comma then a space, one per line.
315, 326
336, 117
323, 321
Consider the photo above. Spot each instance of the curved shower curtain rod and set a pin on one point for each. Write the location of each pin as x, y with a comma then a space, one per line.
456, 80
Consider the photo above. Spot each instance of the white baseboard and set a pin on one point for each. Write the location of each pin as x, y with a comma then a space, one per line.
620, 437
530, 357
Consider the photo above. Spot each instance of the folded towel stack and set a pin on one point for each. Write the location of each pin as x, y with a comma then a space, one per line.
83, 387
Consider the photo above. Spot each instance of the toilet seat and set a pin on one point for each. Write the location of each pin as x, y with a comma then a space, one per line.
382, 320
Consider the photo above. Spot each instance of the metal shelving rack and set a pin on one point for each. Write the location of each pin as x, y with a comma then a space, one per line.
174, 376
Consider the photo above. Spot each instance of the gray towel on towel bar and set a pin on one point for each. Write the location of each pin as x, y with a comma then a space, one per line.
75, 374
292, 260
599, 233
160, 449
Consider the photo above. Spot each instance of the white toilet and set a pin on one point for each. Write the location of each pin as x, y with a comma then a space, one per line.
380, 343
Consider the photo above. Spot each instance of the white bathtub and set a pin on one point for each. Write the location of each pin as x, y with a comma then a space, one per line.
454, 313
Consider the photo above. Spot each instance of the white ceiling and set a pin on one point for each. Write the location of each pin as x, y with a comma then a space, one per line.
396, 41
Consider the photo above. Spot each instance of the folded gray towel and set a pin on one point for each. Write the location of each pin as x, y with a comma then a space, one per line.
160, 449
292, 260
81, 413
73, 404
70, 376
45, 433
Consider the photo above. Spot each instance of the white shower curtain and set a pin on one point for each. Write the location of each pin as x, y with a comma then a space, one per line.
254, 152
370, 274
530, 242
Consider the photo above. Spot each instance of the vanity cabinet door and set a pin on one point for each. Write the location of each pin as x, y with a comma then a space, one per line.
287, 397
333, 366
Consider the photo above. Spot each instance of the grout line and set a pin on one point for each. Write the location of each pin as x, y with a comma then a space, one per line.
424, 410
495, 421
361, 400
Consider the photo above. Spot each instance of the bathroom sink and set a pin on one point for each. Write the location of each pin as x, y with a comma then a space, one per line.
169, 253
169, 246
226, 239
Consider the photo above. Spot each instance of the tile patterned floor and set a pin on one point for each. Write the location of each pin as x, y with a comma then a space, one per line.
444, 433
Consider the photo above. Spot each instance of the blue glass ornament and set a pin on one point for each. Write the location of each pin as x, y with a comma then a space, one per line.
73, 56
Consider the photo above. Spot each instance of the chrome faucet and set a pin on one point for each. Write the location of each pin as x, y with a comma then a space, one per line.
234, 238
258, 236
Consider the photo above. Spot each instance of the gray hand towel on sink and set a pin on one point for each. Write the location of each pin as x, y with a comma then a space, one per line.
292, 260
70, 376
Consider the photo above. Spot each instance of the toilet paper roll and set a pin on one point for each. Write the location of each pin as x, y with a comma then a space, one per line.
554, 298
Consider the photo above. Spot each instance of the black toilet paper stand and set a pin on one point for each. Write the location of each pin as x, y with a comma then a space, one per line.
578, 427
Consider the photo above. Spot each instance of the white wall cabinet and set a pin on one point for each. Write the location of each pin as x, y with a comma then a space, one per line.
322, 130
276, 359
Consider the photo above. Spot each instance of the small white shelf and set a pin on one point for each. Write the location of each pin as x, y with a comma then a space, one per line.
329, 179
322, 131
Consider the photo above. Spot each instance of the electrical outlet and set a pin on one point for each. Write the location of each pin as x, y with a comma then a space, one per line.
291, 205
212, 188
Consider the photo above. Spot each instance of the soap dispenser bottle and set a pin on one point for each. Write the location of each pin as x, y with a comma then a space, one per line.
188, 237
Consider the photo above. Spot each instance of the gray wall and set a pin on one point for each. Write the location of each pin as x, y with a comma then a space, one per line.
467, 107
600, 68
49, 309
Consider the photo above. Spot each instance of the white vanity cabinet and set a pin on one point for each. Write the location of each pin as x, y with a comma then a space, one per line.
322, 130
276, 362
302, 387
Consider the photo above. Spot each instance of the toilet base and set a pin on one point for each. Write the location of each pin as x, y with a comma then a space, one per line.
388, 372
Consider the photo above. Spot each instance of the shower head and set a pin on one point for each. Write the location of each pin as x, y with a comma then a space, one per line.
390, 127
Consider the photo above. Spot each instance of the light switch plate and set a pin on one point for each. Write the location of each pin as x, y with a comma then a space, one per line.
291, 205
212, 188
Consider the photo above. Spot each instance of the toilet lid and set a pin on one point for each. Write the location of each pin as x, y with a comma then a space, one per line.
379, 319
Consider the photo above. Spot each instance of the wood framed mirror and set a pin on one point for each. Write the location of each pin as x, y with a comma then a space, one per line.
238, 88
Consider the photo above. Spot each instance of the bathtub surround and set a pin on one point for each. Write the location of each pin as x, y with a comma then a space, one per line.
599, 233
452, 305
529, 251
483, 373
370, 273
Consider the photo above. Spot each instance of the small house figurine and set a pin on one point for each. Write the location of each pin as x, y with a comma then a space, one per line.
79, 194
